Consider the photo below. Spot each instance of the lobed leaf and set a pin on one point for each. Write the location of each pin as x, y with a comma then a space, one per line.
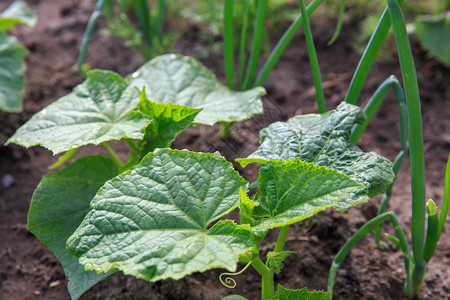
12, 70
168, 121
153, 222
324, 140
302, 294
183, 80
59, 204
18, 13
293, 190
98, 110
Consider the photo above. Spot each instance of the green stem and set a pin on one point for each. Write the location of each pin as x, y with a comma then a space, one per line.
65, 157
243, 45
267, 289
225, 130
113, 155
339, 23
142, 12
432, 237
257, 41
132, 145
313, 58
367, 59
445, 203
228, 43
363, 231
415, 134
281, 239
282, 44
87, 35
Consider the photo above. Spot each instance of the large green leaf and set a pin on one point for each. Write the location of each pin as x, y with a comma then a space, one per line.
98, 110
12, 69
18, 13
152, 222
293, 190
168, 121
183, 80
434, 34
302, 294
324, 140
59, 204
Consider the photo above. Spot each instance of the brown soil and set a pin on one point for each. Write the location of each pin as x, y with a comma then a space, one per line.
28, 270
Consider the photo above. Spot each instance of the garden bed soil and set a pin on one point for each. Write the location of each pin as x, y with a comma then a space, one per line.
28, 270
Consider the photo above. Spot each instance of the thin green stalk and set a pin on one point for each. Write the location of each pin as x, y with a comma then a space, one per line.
339, 23
363, 231
243, 44
367, 59
432, 238
113, 155
142, 12
281, 239
374, 104
445, 203
132, 145
87, 35
62, 159
385, 201
161, 12
267, 289
282, 44
257, 41
228, 42
313, 58
415, 133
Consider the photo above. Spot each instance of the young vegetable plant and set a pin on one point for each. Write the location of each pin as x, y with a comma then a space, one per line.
422, 248
12, 66
158, 220
108, 107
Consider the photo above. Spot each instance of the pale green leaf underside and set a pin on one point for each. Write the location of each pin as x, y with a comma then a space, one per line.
98, 110
302, 294
58, 206
18, 13
152, 222
434, 34
291, 191
12, 69
324, 140
183, 80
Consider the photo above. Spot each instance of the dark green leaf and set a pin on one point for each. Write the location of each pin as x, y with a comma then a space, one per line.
152, 222
185, 81
293, 190
324, 140
58, 206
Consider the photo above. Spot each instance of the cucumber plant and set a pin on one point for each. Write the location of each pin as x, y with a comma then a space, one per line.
157, 220
12, 66
108, 107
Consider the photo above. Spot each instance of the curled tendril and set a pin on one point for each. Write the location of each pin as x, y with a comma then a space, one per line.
230, 282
